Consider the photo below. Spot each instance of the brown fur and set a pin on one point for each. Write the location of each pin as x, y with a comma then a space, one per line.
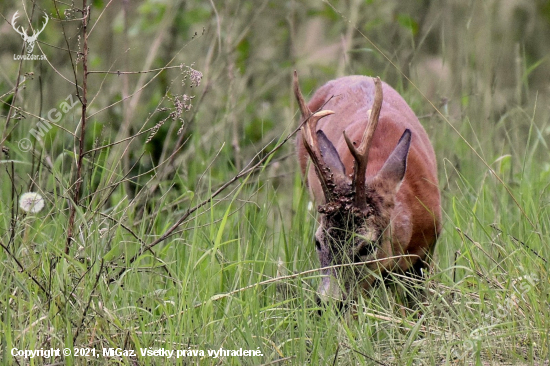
408, 221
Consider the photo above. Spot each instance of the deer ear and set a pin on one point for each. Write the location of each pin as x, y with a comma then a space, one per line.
329, 153
393, 170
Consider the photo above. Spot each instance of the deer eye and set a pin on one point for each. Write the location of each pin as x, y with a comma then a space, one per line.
365, 249
317, 244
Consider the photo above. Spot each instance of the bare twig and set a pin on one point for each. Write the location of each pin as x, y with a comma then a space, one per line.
366, 356
23, 270
78, 177
14, 98
133, 72
244, 172
292, 276
89, 301
516, 240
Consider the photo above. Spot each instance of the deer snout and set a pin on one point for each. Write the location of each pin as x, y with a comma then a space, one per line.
329, 290
330, 293
341, 306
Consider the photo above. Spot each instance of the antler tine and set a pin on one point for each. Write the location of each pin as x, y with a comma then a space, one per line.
13, 20
46, 18
361, 154
309, 136
304, 110
36, 32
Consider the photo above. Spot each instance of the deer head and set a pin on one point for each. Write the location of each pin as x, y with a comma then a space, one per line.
355, 216
30, 40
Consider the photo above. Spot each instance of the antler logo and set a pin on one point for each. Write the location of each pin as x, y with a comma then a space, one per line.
28, 39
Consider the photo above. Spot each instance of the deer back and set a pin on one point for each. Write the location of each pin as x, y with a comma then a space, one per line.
414, 208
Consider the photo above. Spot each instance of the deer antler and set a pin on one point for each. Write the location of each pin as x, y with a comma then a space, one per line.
311, 143
44, 26
13, 20
304, 110
361, 154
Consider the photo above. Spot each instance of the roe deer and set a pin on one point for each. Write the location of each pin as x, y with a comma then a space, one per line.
374, 176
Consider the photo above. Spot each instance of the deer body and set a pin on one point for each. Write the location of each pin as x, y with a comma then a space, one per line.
374, 175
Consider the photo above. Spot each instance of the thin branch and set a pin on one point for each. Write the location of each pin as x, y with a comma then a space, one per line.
366, 356
101, 267
289, 277
78, 178
14, 98
516, 240
244, 172
134, 72
23, 270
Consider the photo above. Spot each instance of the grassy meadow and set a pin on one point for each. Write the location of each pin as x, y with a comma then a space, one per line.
159, 135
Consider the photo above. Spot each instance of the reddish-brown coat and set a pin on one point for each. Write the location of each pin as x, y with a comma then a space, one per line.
417, 215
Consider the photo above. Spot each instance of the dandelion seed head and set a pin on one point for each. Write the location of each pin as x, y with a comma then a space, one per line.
31, 202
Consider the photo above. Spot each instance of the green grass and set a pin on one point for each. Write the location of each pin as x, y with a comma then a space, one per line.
487, 292
240, 271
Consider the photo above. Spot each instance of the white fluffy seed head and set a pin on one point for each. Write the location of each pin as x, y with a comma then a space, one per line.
31, 202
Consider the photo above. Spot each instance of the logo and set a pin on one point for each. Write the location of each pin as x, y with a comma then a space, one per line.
45, 125
29, 40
